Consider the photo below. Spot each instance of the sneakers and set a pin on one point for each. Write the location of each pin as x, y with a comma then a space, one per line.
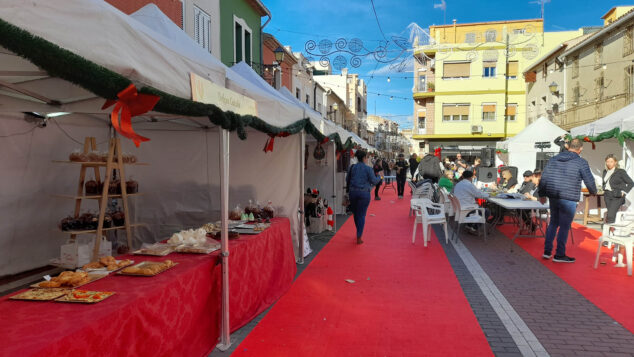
563, 259
400, 197
547, 255
471, 230
377, 198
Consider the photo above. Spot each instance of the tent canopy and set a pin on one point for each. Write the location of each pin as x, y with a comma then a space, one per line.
541, 129
623, 119
70, 73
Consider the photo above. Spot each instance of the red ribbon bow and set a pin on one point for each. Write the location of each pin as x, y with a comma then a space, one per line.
270, 142
587, 139
131, 104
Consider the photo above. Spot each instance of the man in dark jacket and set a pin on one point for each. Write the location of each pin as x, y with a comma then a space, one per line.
429, 168
413, 164
561, 184
401, 174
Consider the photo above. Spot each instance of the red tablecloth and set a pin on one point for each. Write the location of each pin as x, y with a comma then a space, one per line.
176, 313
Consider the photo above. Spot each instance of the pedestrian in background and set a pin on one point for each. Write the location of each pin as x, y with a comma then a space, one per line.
401, 167
413, 165
360, 181
378, 171
616, 184
460, 162
429, 168
561, 184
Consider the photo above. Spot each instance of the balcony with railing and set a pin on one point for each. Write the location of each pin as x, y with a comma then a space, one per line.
587, 113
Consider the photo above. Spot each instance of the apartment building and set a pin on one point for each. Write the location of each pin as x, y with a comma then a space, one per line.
354, 92
468, 89
599, 71
545, 80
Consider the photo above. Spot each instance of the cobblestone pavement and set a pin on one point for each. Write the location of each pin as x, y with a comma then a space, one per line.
564, 322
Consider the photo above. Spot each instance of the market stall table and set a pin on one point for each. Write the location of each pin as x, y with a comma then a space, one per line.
176, 313
520, 205
593, 218
389, 184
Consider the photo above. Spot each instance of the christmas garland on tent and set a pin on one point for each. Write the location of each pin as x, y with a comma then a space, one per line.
64, 64
621, 136
501, 151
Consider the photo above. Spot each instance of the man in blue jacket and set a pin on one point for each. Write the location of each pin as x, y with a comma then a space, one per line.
561, 184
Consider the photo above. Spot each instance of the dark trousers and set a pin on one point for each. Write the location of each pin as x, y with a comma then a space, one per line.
376, 188
359, 202
400, 184
562, 212
613, 204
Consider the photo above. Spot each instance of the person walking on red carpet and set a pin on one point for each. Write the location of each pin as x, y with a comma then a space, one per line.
359, 183
561, 184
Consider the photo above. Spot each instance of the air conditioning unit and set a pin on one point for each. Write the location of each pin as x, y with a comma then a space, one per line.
476, 129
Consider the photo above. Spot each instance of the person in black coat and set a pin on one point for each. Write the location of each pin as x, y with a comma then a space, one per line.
562, 143
616, 184
401, 166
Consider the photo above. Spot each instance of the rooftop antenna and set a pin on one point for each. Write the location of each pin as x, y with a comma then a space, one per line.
540, 3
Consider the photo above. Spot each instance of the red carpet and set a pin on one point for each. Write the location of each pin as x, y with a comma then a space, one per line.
405, 301
609, 288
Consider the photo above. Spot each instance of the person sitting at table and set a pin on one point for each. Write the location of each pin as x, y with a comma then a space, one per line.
534, 193
459, 172
466, 192
460, 162
527, 185
616, 184
508, 182
446, 181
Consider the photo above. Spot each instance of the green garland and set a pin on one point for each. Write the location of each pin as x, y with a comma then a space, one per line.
501, 151
621, 136
64, 64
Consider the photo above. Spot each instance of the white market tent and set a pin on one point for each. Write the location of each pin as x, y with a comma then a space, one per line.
521, 148
189, 155
622, 120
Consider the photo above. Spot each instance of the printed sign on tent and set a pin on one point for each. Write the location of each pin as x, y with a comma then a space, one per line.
206, 91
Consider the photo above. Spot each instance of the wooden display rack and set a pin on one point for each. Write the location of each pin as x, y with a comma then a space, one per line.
114, 161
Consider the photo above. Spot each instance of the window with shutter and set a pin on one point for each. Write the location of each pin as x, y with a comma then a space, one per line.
470, 37
491, 35
456, 69
598, 56
512, 69
511, 111
489, 68
488, 111
202, 24
455, 112
575, 67
627, 41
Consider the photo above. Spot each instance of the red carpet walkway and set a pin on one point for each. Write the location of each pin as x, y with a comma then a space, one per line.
405, 301
609, 288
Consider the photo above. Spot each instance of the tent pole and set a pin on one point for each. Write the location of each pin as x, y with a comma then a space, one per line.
225, 338
334, 186
302, 141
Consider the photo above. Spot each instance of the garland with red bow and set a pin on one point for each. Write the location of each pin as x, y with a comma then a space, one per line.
270, 142
130, 104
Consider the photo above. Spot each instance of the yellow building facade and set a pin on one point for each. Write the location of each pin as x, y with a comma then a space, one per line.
469, 90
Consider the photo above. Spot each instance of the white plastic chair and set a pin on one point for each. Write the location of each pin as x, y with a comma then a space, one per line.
444, 199
422, 210
467, 215
423, 191
621, 234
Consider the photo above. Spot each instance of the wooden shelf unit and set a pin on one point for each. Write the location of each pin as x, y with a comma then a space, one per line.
114, 162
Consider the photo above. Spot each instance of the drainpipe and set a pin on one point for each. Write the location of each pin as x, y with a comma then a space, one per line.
315, 95
268, 14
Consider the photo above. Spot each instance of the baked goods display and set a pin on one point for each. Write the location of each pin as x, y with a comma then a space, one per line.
99, 156
235, 214
268, 212
90, 221
93, 188
190, 237
147, 268
204, 248
157, 249
232, 235
107, 264
40, 294
70, 279
86, 297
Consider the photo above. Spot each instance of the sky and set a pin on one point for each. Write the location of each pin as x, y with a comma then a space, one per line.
296, 22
